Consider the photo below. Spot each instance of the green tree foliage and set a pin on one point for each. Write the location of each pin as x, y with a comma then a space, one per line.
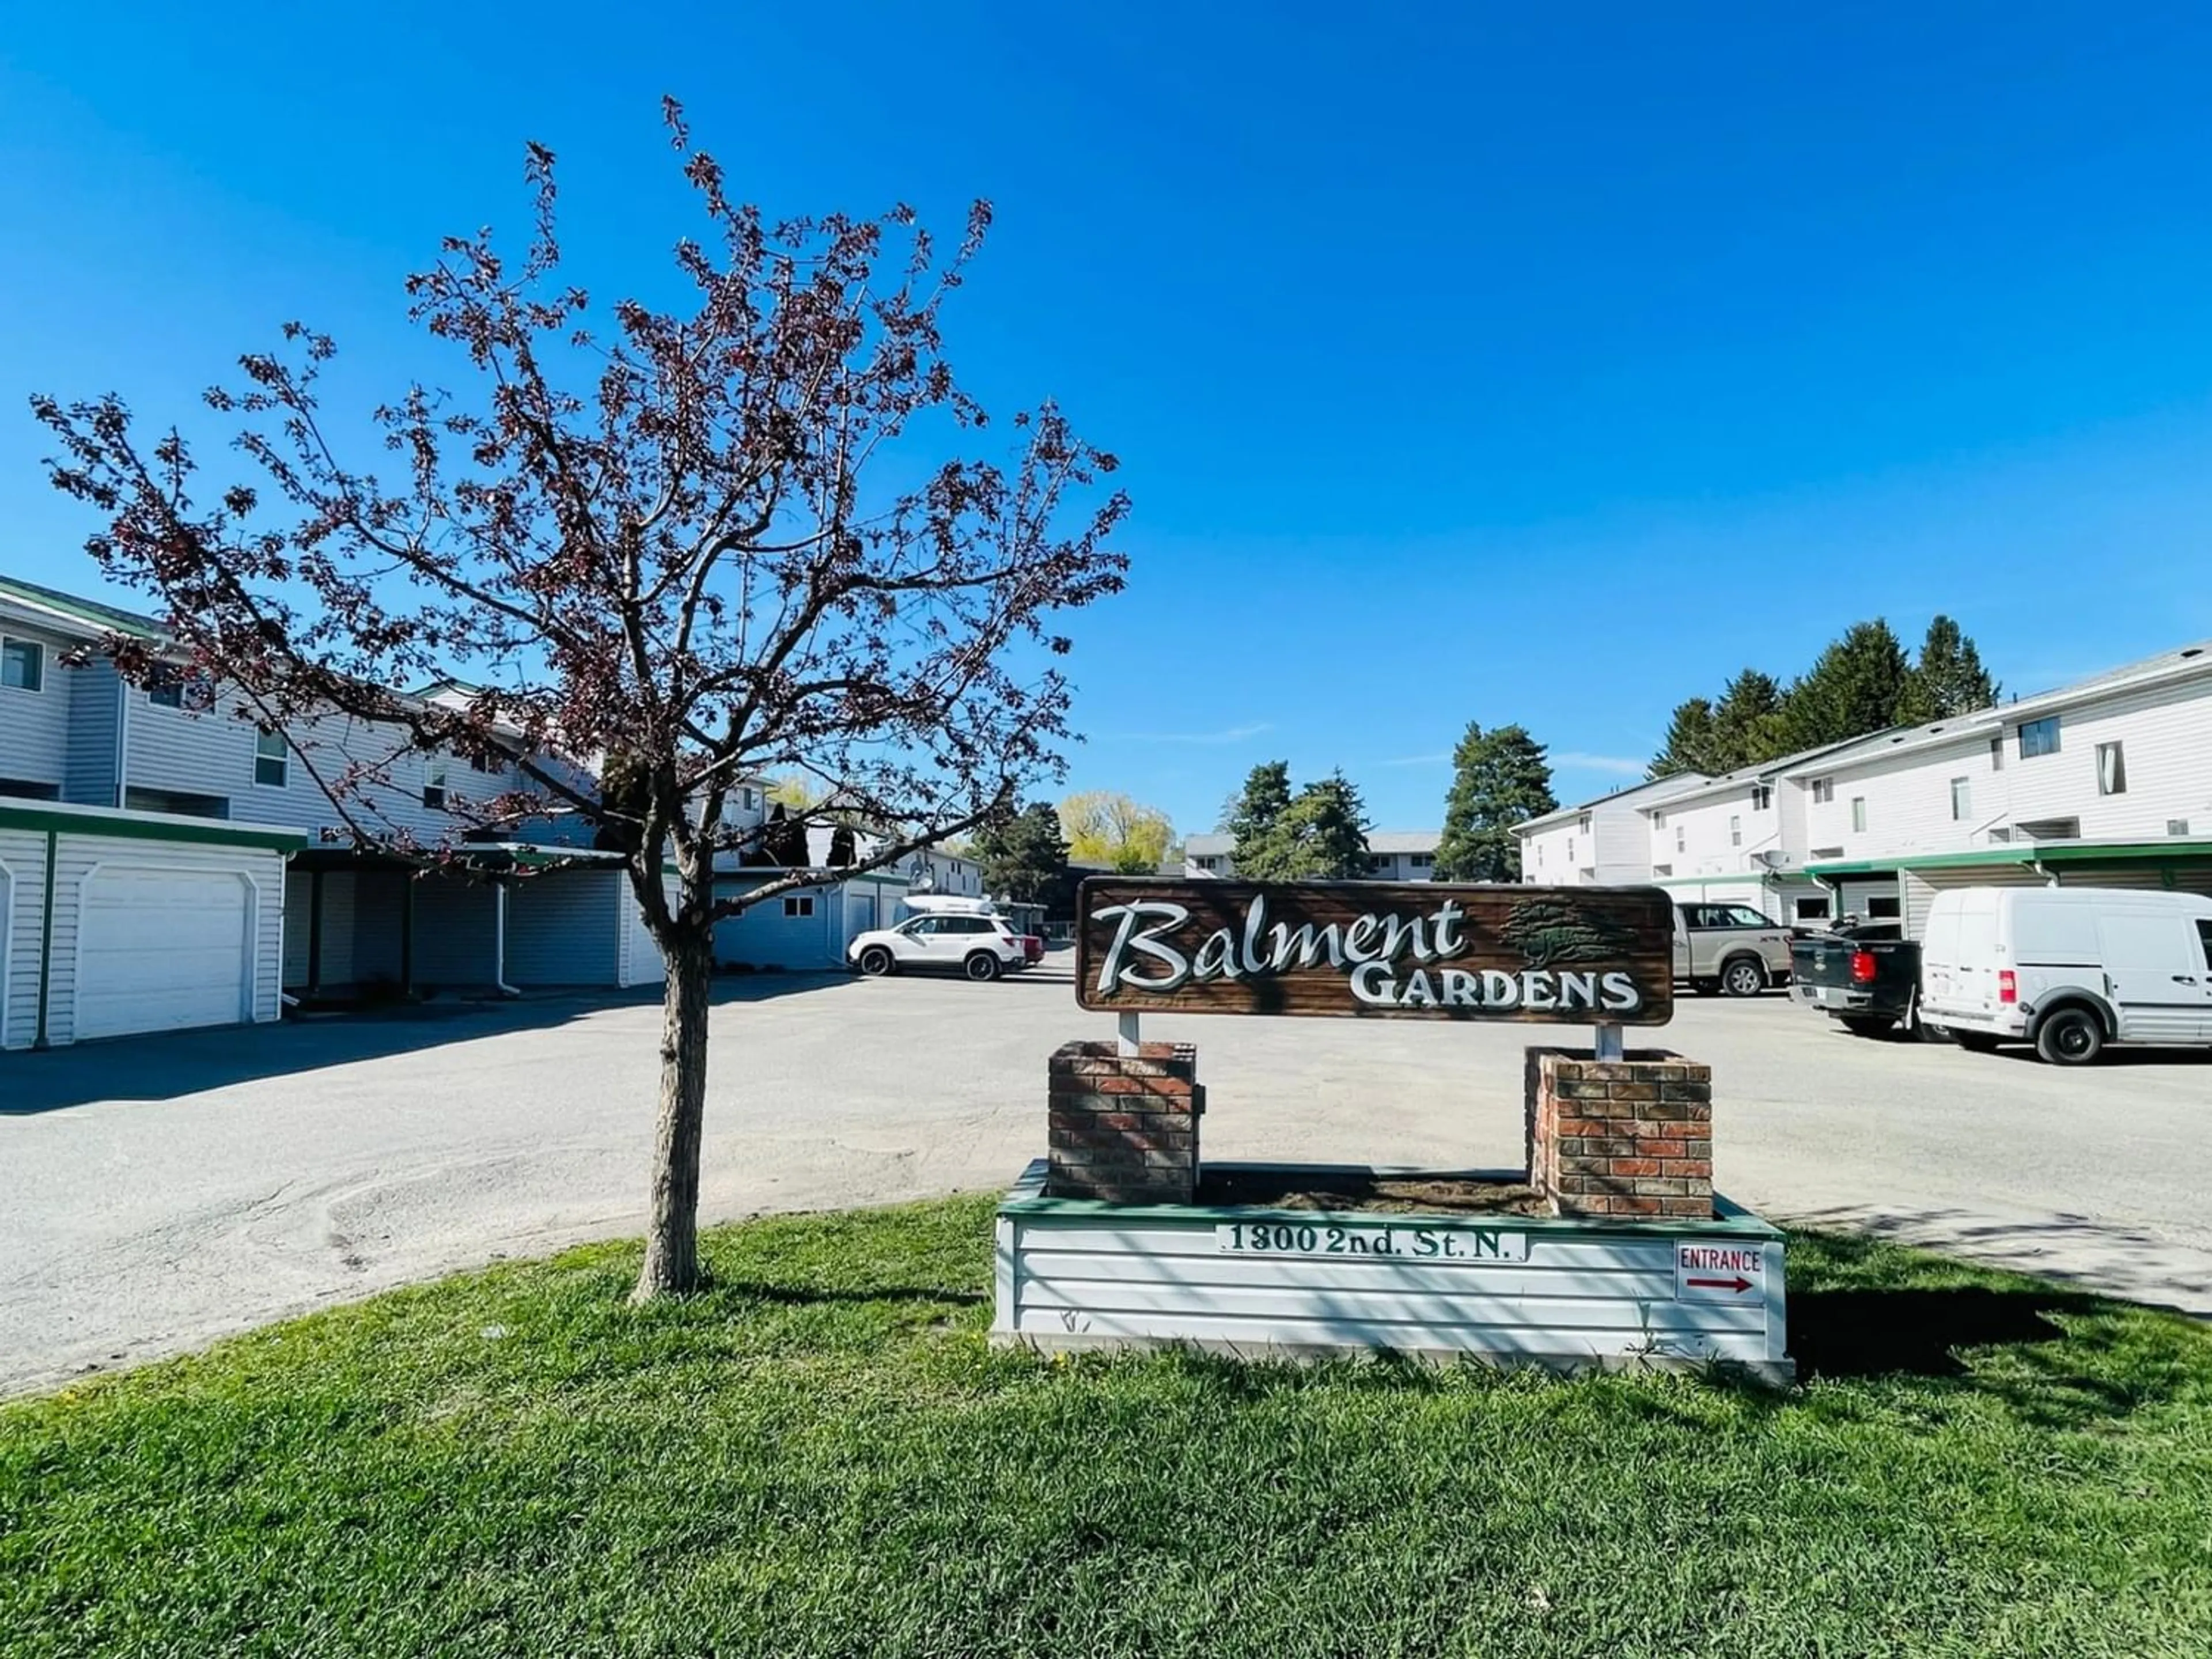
1949, 678
1321, 835
1689, 746
1862, 682
1858, 685
1250, 815
1105, 827
1499, 778
1025, 857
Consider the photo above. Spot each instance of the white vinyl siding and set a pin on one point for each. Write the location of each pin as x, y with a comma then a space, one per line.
138, 935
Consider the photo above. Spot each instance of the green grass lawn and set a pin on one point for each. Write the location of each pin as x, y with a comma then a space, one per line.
822, 1456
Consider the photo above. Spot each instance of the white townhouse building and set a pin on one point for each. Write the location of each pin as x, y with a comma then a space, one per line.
2106, 782
1600, 842
1392, 855
165, 863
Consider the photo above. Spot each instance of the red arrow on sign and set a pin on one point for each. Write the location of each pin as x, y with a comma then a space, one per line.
1739, 1285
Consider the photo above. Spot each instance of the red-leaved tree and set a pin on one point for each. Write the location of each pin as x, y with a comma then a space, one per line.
654, 541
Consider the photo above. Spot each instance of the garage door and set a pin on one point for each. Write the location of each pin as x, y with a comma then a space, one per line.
160, 949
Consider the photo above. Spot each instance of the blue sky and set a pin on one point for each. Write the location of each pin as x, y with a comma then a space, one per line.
1496, 366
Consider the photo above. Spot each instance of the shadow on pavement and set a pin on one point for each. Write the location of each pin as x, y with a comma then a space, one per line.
176, 1063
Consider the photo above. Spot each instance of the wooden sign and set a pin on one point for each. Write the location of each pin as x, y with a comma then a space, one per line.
1418, 950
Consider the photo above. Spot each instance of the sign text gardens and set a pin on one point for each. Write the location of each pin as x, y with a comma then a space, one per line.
1568, 955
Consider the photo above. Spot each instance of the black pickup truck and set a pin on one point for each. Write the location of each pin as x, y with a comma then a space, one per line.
1865, 974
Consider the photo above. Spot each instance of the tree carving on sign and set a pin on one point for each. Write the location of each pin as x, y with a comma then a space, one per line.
1549, 933
692, 546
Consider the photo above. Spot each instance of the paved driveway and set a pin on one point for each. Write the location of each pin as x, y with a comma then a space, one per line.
155, 1192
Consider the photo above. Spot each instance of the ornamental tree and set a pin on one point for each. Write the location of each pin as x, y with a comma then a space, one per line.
733, 537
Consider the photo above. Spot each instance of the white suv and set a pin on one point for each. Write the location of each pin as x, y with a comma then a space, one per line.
980, 947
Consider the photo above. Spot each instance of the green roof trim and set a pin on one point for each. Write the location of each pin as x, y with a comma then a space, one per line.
90, 611
1027, 1198
2020, 852
46, 819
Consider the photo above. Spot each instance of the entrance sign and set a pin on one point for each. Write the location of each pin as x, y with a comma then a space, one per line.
1719, 1272
1416, 949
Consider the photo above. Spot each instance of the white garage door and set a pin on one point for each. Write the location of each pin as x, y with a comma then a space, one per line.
160, 949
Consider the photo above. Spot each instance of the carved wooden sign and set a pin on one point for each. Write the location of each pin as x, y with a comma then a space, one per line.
1418, 950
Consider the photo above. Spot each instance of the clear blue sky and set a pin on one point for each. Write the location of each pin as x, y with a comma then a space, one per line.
1536, 364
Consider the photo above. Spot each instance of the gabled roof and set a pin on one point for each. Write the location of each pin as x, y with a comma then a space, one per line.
1193, 846
2183, 662
1653, 790
1404, 840
1744, 776
89, 616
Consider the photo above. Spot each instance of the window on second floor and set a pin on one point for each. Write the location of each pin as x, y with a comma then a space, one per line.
1422, 861
2038, 738
22, 665
271, 759
1207, 861
1681, 837
2112, 769
1824, 790
1762, 797
433, 782
1735, 831
166, 691
1859, 814
1996, 753
1962, 799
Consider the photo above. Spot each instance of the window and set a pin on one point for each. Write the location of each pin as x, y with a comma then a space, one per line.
1583, 822
24, 789
1962, 800
1996, 753
166, 691
1663, 869
1824, 790
746, 796
1762, 797
1735, 831
175, 800
1859, 815
1723, 916
1422, 861
1885, 907
2177, 826
1658, 820
1378, 864
803, 906
1571, 849
1812, 909
22, 665
2112, 769
433, 782
272, 759
2204, 939
2038, 738
1681, 835
1207, 861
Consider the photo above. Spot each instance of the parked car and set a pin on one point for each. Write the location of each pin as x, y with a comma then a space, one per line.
1864, 975
975, 942
1730, 948
2067, 968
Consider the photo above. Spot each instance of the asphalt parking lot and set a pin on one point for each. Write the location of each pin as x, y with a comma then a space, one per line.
156, 1193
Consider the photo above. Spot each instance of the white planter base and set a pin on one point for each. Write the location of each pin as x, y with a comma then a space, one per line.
1562, 1294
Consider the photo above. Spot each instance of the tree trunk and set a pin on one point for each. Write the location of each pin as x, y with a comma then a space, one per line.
672, 1241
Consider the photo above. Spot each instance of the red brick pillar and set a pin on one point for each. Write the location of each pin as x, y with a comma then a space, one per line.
1124, 1127
1629, 1137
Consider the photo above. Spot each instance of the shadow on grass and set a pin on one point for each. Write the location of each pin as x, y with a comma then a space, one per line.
1882, 1333
800, 1296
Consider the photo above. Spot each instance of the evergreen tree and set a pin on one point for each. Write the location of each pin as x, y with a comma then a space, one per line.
1499, 778
1949, 678
1689, 746
1858, 685
1747, 726
1321, 835
1024, 857
1253, 814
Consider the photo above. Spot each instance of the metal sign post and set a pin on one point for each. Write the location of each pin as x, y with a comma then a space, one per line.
1609, 1041
1127, 1042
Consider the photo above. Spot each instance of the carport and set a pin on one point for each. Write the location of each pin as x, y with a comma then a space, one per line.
506, 918
2171, 865
117, 922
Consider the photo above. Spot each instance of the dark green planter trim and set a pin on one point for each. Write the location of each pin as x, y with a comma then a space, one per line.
2023, 853
1027, 1200
47, 938
44, 819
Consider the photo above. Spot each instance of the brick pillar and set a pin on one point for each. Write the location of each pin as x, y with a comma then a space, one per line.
1629, 1137
1124, 1127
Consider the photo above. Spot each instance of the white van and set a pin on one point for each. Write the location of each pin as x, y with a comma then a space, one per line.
2067, 968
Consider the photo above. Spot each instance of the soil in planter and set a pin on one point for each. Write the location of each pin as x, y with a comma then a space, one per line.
1294, 1189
